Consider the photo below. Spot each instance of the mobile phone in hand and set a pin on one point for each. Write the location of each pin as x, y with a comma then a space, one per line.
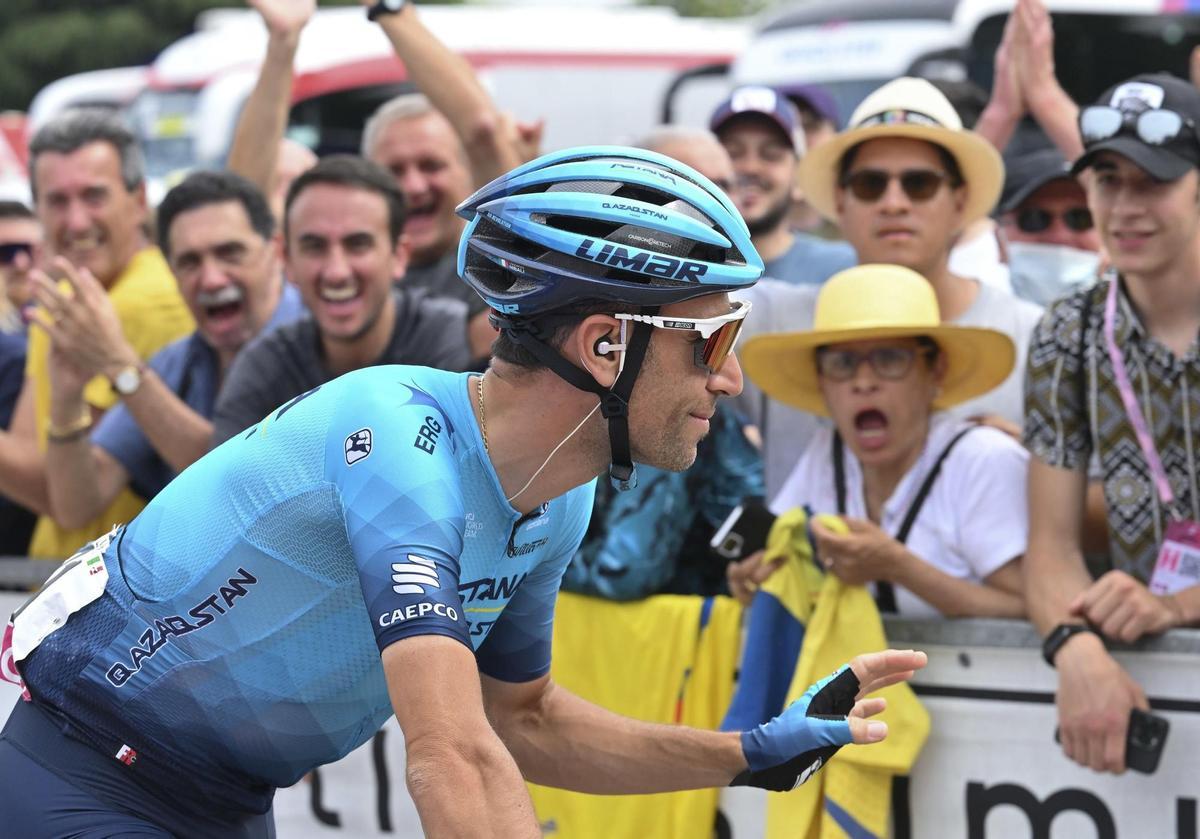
1144, 741
744, 531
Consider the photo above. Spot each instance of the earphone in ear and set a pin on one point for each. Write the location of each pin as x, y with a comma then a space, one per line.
603, 347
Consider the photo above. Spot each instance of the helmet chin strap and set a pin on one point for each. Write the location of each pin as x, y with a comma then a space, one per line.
614, 401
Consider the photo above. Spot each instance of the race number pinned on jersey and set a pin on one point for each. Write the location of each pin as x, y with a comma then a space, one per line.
77, 582
1178, 565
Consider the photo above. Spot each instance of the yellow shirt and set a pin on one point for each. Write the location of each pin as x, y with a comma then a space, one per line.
152, 315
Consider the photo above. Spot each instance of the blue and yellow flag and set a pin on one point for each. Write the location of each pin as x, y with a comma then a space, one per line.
803, 625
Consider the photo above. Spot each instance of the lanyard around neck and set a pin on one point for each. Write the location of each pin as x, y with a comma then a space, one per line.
1132, 409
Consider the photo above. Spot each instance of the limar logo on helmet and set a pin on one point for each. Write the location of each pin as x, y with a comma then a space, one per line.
641, 261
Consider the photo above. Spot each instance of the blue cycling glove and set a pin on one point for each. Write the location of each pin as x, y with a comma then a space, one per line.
786, 751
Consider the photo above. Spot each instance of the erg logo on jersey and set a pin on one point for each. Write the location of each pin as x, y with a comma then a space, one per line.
418, 610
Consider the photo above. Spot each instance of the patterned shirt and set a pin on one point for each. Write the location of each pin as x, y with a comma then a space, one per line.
1073, 408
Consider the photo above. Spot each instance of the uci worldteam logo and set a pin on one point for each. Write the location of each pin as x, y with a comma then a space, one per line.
358, 446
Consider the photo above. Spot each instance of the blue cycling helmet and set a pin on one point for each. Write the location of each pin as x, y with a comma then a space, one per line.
602, 223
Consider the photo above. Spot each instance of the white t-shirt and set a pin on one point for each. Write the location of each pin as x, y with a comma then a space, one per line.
973, 521
979, 257
1003, 311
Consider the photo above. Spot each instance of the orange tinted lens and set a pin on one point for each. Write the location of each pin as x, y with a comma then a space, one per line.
719, 345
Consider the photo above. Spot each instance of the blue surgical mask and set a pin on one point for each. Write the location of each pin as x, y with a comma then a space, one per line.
1043, 273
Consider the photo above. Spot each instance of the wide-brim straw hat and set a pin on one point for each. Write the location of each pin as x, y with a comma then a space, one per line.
913, 108
872, 302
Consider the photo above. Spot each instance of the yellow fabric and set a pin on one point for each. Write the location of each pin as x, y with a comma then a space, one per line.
841, 621
152, 315
648, 660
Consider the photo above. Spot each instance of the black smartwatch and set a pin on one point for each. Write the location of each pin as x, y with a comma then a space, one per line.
384, 7
1059, 636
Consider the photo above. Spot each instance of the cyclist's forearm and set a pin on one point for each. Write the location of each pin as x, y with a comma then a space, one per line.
571, 743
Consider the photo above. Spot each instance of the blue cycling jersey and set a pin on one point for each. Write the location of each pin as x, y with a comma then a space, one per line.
236, 644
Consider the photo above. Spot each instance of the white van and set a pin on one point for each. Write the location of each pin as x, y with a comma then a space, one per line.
597, 74
851, 48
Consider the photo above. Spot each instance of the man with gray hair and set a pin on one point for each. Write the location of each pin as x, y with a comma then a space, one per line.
87, 179
421, 150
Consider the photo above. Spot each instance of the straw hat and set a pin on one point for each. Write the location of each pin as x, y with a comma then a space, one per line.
870, 302
914, 108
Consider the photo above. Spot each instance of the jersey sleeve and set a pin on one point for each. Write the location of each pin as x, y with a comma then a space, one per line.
518, 647
403, 511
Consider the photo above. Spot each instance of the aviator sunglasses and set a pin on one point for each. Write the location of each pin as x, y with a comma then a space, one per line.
1155, 127
718, 335
870, 184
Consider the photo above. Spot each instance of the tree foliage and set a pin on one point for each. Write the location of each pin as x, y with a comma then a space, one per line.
714, 8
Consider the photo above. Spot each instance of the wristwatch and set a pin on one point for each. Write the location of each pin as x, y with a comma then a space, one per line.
1059, 636
384, 7
128, 379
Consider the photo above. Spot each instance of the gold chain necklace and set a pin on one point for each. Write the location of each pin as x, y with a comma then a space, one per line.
482, 414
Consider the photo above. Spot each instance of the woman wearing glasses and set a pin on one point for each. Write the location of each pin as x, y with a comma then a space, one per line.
935, 506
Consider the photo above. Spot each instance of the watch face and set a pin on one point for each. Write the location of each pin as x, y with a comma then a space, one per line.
127, 381
393, 5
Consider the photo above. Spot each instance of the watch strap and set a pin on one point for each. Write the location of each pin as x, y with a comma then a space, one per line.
382, 7
1059, 636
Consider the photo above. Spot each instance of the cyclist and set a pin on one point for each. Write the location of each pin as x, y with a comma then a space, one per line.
392, 541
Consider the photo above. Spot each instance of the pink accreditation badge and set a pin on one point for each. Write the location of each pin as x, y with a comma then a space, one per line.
1178, 565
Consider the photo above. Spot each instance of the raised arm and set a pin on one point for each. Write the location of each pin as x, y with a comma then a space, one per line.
255, 151
1006, 106
1054, 110
450, 83
461, 778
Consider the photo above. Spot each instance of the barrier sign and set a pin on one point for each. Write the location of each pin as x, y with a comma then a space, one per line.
990, 769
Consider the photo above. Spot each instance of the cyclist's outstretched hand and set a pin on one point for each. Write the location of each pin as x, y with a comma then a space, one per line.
788, 750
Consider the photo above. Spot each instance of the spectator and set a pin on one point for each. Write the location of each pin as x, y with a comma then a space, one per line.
654, 537
216, 231
761, 131
819, 120
89, 194
20, 252
902, 180
439, 148
343, 249
1106, 362
16, 522
935, 506
1046, 229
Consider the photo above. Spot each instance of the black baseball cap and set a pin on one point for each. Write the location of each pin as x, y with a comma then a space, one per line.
1025, 174
1167, 162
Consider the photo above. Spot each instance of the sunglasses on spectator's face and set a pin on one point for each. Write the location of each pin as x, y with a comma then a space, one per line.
891, 363
9, 251
1155, 127
1036, 220
871, 184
